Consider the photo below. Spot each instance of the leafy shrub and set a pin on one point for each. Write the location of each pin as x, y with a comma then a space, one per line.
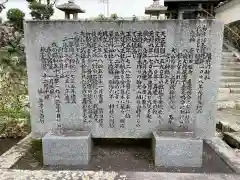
13, 128
16, 17
41, 11
14, 114
114, 16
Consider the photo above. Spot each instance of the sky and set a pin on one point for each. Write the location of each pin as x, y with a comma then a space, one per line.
123, 8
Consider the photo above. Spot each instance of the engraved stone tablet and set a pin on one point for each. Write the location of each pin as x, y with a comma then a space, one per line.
124, 79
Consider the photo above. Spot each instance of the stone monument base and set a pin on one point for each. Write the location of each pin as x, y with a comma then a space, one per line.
177, 149
67, 147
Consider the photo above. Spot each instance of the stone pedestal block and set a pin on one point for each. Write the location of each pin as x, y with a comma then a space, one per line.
67, 148
177, 149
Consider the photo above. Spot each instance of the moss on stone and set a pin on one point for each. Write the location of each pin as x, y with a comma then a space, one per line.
153, 147
36, 150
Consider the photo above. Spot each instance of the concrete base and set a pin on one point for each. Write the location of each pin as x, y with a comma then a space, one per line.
67, 148
177, 149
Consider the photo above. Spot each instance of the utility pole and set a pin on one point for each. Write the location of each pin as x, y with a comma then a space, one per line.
107, 3
108, 8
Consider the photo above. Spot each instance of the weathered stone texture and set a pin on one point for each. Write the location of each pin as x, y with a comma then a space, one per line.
67, 148
124, 79
177, 150
91, 175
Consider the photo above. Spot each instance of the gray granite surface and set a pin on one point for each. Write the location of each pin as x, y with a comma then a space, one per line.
97, 75
67, 148
135, 158
174, 151
225, 152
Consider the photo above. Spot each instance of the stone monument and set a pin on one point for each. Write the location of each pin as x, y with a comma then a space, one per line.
70, 8
156, 9
126, 79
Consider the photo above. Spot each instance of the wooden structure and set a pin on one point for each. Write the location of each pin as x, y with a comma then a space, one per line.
190, 9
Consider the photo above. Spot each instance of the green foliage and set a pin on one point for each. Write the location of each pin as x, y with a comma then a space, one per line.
13, 88
41, 11
14, 128
36, 150
114, 16
16, 17
100, 17
232, 34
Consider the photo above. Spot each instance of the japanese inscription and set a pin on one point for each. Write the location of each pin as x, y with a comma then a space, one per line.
124, 79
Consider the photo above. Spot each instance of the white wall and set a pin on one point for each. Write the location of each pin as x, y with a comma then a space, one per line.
229, 12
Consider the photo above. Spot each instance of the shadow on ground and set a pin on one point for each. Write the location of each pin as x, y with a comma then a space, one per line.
132, 155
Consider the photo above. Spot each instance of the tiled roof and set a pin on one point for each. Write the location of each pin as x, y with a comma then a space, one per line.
156, 6
70, 6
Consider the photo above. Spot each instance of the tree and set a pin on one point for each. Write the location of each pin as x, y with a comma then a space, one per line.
100, 17
41, 11
16, 17
114, 16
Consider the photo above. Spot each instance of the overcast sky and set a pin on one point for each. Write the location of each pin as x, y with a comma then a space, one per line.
124, 8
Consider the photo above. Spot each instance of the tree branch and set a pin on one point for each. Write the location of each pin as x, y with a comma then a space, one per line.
5, 2
2, 6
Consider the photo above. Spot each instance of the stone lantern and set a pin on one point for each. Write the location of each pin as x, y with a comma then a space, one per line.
156, 9
70, 8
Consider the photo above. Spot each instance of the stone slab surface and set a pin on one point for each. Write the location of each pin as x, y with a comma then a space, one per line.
177, 151
225, 152
10, 157
124, 79
227, 96
173, 134
102, 175
67, 148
